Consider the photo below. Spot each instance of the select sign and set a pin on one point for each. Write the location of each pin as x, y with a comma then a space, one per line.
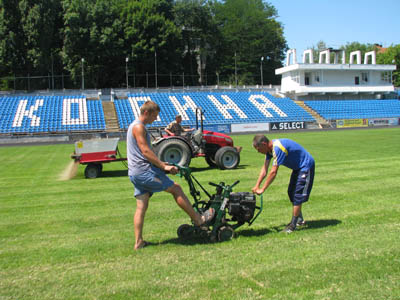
287, 125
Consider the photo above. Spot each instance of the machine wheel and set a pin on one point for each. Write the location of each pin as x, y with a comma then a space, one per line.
210, 159
184, 231
227, 158
225, 233
174, 151
93, 170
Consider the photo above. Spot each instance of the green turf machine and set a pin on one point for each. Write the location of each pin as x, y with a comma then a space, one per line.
232, 210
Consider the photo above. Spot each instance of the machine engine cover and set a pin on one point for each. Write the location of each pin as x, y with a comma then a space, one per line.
241, 206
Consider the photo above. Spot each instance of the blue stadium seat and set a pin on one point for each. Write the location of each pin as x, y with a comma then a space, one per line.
355, 109
46, 114
220, 108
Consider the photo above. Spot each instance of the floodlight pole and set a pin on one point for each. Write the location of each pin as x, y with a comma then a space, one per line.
235, 71
126, 71
52, 71
155, 65
261, 71
83, 74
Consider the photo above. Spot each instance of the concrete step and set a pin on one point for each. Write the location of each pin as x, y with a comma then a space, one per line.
110, 115
323, 123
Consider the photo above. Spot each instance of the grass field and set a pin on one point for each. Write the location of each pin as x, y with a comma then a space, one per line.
74, 239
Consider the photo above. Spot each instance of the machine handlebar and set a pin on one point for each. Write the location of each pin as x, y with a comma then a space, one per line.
222, 185
236, 182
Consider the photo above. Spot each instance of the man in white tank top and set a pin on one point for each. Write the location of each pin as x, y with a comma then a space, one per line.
147, 173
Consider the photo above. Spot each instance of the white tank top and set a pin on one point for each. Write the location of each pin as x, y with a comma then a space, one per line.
137, 163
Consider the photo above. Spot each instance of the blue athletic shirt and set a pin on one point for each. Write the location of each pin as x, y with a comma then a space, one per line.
290, 154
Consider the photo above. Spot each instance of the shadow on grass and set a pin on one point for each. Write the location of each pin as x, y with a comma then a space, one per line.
197, 240
195, 169
312, 224
188, 241
252, 232
117, 173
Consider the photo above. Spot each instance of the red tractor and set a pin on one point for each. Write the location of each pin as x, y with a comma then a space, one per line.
216, 147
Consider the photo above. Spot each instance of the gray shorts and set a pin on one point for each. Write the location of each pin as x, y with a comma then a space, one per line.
152, 181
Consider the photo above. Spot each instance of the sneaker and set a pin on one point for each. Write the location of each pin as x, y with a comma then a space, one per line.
208, 215
301, 223
289, 229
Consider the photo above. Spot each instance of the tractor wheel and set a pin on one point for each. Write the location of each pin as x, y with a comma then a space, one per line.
93, 170
225, 233
210, 159
185, 231
227, 158
174, 151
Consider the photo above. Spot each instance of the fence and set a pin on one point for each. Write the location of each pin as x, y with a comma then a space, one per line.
130, 80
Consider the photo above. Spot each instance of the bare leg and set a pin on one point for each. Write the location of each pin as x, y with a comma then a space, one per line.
296, 210
142, 202
184, 203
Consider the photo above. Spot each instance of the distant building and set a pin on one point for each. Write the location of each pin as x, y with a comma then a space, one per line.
335, 77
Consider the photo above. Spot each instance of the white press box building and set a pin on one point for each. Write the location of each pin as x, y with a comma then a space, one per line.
342, 78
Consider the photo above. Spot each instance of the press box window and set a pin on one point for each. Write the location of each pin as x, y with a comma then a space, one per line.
364, 77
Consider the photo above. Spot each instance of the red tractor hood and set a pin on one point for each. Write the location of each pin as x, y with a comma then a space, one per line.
221, 139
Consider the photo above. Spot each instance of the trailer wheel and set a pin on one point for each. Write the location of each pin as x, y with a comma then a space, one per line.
93, 170
225, 233
227, 158
174, 151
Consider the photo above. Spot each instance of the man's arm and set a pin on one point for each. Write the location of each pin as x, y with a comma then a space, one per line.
261, 176
139, 134
169, 131
270, 178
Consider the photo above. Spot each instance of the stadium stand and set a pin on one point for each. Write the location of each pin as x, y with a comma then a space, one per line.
220, 108
355, 109
50, 114
59, 114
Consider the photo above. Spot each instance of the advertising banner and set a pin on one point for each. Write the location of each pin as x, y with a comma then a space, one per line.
223, 128
383, 122
288, 125
348, 123
250, 127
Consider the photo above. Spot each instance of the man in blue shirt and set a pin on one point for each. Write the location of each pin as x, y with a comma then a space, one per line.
292, 155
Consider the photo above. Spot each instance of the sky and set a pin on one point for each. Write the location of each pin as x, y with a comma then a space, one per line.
338, 22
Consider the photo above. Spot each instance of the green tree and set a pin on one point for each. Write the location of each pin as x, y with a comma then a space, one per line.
93, 31
391, 56
29, 37
250, 31
42, 40
12, 51
151, 37
200, 37
316, 49
355, 46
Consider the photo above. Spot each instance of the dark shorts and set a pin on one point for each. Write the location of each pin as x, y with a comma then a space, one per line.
300, 186
150, 182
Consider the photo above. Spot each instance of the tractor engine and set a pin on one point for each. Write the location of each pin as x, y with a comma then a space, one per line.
241, 206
